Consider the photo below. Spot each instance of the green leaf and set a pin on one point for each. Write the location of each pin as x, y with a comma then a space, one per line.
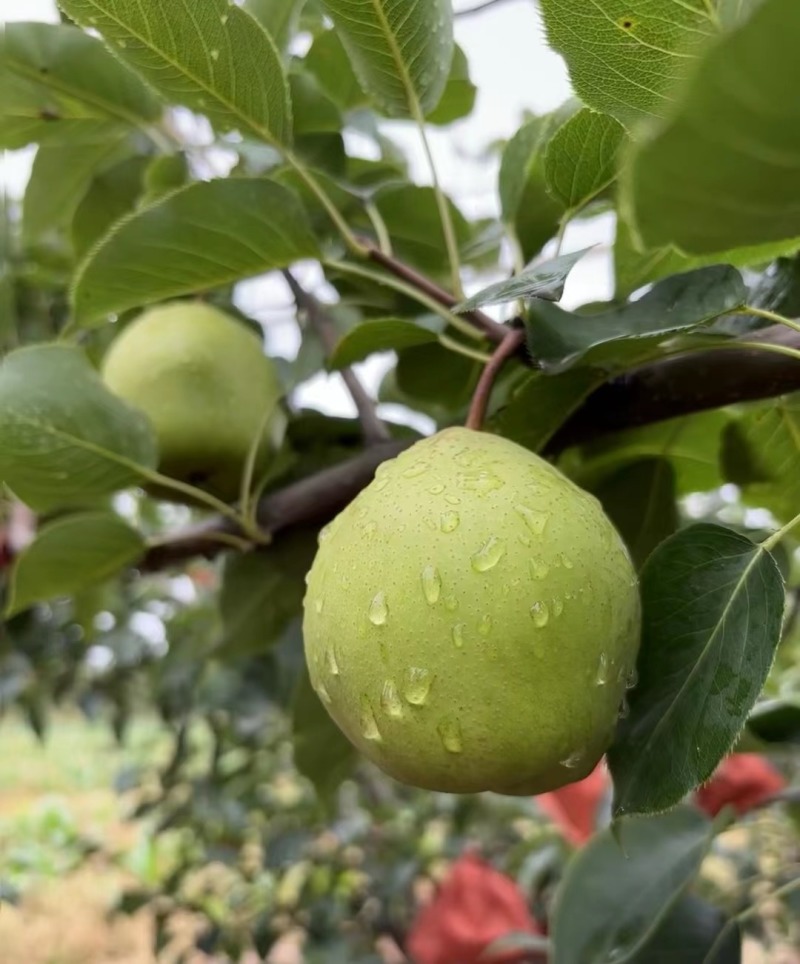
60, 175
761, 453
459, 94
544, 281
330, 63
280, 18
164, 174
200, 237
321, 752
581, 159
527, 206
213, 57
635, 267
71, 554
776, 721
382, 334
262, 592
689, 933
712, 607
543, 403
558, 338
639, 50
722, 172
53, 73
431, 373
401, 52
640, 499
111, 194
18, 132
651, 863
64, 439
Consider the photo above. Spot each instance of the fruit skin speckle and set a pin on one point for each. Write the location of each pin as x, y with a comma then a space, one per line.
522, 697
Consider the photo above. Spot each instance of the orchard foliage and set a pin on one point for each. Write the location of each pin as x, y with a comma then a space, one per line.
185, 147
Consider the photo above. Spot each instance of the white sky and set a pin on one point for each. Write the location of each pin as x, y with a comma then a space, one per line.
514, 71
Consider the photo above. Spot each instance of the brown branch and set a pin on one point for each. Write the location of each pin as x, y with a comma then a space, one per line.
666, 389
683, 385
514, 339
319, 319
492, 329
311, 501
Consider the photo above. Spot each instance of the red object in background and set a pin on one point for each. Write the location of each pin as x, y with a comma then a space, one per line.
743, 780
475, 906
573, 808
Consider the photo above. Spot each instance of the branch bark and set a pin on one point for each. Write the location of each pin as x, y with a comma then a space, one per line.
513, 341
666, 389
373, 428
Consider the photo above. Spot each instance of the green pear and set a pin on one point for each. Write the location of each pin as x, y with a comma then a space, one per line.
472, 619
208, 389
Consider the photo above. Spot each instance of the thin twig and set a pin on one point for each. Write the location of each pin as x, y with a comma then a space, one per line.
400, 270
319, 319
511, 343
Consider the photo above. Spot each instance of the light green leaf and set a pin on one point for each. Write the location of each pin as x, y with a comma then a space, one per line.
581, 159
64, 439
544, 281
382, 334
71, 554
210, 56
60, 175
279, 18
401, 52
625, 57
53, 73
330, 63
527, 206
199, 237
722, 173
459, 94
18, 132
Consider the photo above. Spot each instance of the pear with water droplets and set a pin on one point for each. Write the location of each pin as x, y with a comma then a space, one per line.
472, 618
207, 387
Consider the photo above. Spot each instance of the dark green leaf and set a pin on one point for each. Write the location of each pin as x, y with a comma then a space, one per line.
111, 194
383, 334
637, 54
200, 237
544, 281
331, 65
164, 173
212, 57
69, 555
651, 863
401, 53
776, 721
64, 439
581, 159
434, 374
690, 932
640, 500
712, 608
559, 338
543, 403
321, 751
262, 592
528, 207
722, 172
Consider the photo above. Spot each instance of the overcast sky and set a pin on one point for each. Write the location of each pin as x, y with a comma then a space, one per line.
514, 71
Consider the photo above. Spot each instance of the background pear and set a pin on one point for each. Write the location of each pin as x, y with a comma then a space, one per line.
203, 380
472, 619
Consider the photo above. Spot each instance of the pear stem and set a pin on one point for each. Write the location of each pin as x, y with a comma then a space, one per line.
511, 343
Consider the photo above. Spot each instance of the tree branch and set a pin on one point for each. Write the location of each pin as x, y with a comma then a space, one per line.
666, 389
319, 319
513, 341
496, 332
311, 501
